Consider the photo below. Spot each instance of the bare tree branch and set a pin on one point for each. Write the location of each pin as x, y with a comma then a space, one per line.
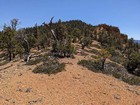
49, 26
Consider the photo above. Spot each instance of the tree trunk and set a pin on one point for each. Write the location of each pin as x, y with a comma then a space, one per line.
38, 47
9, 55
103, 63
42, 46
13, 55
27, 57
83, 46
27, 51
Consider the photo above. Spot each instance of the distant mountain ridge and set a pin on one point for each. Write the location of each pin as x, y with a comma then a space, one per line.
138, 41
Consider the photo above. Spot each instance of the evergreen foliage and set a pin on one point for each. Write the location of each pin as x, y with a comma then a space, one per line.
61, 37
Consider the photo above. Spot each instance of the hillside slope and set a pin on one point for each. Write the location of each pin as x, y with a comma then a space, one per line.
74, 86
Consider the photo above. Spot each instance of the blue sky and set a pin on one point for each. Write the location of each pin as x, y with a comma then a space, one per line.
124, 14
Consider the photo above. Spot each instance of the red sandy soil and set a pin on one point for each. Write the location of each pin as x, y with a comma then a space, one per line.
74, 86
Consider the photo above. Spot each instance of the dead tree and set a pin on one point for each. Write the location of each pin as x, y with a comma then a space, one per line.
49, 26
27, 55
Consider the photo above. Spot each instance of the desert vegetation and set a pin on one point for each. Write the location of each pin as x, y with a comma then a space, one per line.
114, 54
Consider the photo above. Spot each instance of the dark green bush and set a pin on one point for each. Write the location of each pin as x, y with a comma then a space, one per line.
40, 58
111, 69
35, 61
2, 55
50, 67
112, 51
95, 57
3, 63
118, 59
94, 51
133, 61
132, 80
116, 75
91, 65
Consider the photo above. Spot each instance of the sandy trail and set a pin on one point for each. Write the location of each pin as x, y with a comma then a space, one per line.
74, 86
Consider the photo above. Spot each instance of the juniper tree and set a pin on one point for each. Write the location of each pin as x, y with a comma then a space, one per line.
133, 61
8, 40
87, 39
103, 54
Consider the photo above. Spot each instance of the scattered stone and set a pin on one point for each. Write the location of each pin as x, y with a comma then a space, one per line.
0, 76
137, 92
35, 101
28, 90
133, 90
30, 68
138, 103
76, 77
40, 99
20, 90
18, 66
13, 102
19, 82
20, 74
104, 93
1, 97
32, 102
130, 88
117, 96
8, 99
78, 74
95, 80
105, 103
111, 84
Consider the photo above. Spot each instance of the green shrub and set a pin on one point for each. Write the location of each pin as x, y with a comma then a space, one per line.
112, 51
84, 53
132, 80
95, 57
116, 75
112, 64
3, 63
50, 67
35, 61
111, 69
133, 61
96, 45
2, 55
94, 51
118, 59
41, 58
91, 65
